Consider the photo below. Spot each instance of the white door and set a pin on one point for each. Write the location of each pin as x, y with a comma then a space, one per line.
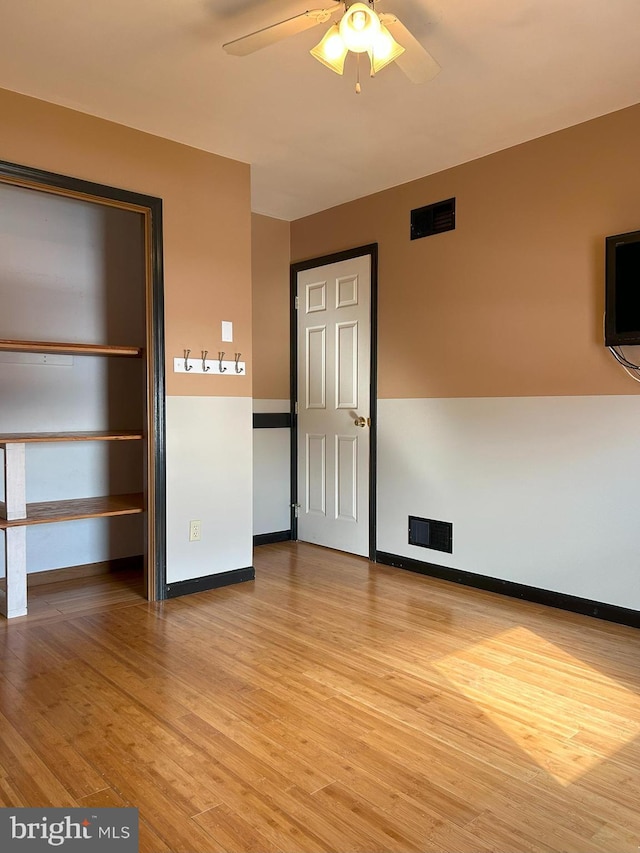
334, 305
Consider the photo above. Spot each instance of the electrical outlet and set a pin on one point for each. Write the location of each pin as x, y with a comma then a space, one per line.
195, 531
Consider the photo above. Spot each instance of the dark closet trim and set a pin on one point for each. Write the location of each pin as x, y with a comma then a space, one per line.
370, 249
271, 420
151, 207
270, 538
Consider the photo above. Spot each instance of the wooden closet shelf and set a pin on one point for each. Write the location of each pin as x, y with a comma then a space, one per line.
69, 349
100, 435
54, 511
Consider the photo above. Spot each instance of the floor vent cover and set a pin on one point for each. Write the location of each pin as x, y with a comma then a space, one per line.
427, 533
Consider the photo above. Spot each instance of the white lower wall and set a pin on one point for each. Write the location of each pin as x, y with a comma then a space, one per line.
209, 478
271, 473
542, 491
271, 480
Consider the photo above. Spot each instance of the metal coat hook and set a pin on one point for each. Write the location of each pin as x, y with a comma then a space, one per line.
205, 366
187, 366
220, 357
238, 369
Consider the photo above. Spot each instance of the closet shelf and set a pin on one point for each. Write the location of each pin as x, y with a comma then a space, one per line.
55, 511
69, 349
100, 435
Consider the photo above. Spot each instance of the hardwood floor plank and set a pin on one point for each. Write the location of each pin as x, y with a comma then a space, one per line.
10, 796
560, 807
611, 800
157, 805
507, 838
149, 842
613, 838
104, 799
243, 763
454, 839
36, 782
424, 781
330, 706
383, 831
525, 832
77, 775
287, 766
232, 834
339, 829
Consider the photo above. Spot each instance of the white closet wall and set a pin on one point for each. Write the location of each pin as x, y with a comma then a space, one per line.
73, 271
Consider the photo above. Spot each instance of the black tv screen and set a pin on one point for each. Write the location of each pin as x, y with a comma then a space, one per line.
622, 302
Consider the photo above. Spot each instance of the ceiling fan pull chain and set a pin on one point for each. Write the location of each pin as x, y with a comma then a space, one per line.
358, 74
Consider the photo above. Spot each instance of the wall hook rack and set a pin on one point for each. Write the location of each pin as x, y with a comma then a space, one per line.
206, 366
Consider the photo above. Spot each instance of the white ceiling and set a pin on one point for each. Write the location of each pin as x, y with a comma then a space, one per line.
512, 70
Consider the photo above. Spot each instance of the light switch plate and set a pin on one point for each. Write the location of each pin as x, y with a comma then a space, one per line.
227, 331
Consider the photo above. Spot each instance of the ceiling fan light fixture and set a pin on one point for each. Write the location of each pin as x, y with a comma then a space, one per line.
331, 50
385, 49
360, 30
359, 27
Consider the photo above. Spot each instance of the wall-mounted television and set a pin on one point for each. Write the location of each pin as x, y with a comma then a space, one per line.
622, 298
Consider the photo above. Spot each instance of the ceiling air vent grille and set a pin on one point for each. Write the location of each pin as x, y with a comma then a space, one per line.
427, 533
433, 219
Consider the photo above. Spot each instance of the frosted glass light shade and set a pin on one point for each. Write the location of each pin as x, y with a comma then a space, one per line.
384, 50
359, 27
331, 50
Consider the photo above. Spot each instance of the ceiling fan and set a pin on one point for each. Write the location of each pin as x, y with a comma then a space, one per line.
360, 29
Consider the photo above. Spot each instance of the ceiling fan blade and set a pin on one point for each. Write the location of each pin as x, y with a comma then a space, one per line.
277, 32
415, 62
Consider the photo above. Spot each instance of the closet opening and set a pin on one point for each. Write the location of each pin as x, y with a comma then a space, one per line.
82, 425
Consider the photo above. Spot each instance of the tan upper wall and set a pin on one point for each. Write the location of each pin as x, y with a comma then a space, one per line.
206, 216
511, 302
270, 252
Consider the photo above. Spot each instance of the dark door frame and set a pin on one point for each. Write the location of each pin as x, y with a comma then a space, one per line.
370, 249
151, 209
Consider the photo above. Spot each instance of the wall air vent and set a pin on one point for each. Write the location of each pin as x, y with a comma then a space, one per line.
433, 219
427, 533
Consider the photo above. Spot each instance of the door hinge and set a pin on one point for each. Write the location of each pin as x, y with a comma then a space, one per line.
295, 408
296, 509
297, 302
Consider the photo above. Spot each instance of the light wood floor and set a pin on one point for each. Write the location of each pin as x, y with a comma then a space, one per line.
332, 705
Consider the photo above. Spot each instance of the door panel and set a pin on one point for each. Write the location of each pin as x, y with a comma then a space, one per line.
333, 391
346, 477
316, 364
316, 474
347, 365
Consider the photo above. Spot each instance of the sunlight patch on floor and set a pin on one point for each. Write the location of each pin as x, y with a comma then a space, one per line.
590, 715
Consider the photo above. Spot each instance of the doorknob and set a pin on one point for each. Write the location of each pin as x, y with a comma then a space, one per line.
362, 422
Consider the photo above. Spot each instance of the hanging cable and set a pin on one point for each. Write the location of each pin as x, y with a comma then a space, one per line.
627, 365
633, 370
622, 358
632, 375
